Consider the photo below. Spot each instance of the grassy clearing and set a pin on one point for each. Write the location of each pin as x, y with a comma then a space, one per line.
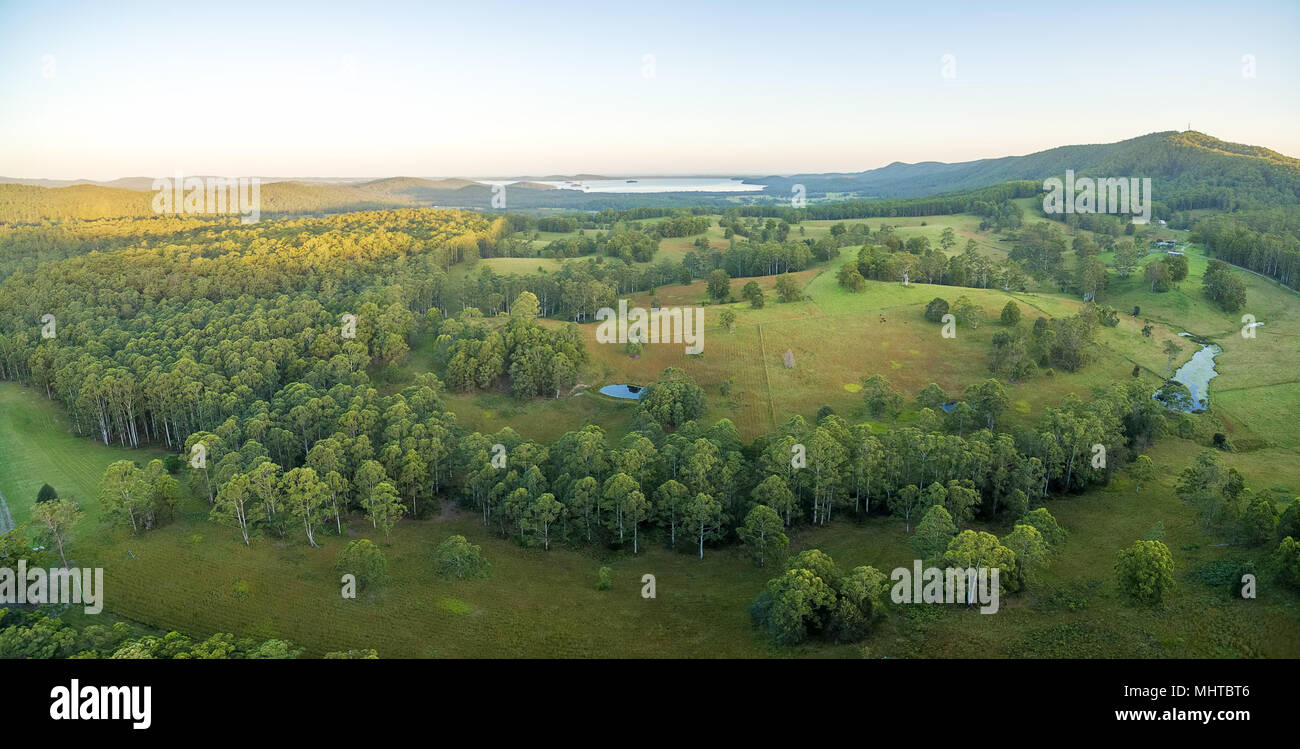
747, 403
520, 266
542, 420
1260, 416
37, 447
1075, 610
535, 604
839, 338
881, 330
538, 604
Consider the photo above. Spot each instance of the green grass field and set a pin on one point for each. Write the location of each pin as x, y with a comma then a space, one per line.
505, 266
38, 446
838, 339
965, 227
545, 604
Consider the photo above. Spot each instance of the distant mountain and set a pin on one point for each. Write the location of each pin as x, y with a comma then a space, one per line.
129, 183
1183, 166
413, 184
146, 183
30, 203
1188, 170
302, 197
568, 178
21, 203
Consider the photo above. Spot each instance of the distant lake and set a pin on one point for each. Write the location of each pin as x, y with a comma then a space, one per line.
646, 184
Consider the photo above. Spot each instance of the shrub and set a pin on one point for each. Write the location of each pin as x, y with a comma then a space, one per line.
1288, 559
459, 559
1145, 571
787, 288
1289, 523
936, 309
1156, 532
1258, 522
813, 597
968, 312
1011, 313
1224, 575
673, 399
1043, 521
364, 560
719, 285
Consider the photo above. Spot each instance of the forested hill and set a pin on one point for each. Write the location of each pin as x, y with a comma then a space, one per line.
25, 204
1188, 170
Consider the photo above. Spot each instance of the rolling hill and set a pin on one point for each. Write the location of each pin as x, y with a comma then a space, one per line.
1189, 169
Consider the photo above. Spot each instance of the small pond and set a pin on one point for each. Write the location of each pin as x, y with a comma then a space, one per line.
630, 392
1197, 373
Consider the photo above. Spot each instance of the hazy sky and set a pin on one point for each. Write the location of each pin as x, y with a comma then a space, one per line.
109, 89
